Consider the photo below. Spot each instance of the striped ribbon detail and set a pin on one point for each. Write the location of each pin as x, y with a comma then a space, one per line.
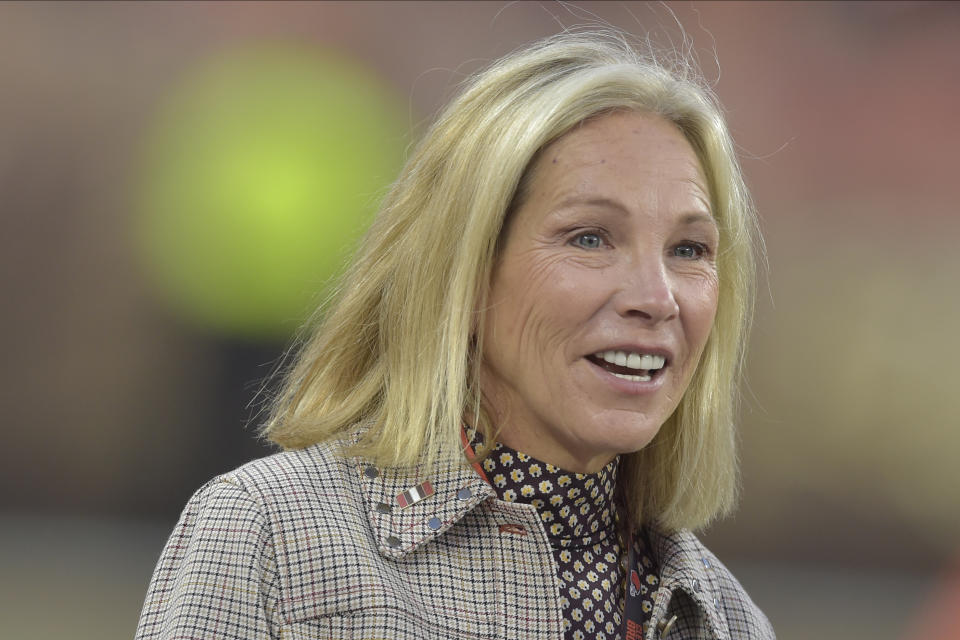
415, 494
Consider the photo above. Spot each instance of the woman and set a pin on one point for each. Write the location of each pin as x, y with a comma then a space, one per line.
522, 399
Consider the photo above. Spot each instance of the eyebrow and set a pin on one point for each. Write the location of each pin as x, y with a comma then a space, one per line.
593, 201
693, 217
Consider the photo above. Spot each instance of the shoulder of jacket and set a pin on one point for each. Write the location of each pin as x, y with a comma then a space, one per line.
272, 493
291, 467
295, 479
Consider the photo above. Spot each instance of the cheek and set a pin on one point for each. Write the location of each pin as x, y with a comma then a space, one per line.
538, 303
700, 311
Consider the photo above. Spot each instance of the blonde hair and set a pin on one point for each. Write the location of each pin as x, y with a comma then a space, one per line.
397, 347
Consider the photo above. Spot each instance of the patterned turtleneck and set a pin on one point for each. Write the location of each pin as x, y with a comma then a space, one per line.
581, 522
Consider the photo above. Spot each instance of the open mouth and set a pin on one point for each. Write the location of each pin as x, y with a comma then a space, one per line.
628, 365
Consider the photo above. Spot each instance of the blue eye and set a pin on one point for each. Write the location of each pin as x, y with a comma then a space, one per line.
588, 241
690, 250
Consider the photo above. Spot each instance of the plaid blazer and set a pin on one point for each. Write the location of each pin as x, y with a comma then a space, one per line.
309, 544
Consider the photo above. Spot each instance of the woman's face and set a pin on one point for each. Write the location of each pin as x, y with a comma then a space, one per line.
604, 293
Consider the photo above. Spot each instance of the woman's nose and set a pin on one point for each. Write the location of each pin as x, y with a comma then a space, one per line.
647, 292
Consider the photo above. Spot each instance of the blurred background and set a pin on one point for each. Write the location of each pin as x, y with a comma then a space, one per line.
181, 181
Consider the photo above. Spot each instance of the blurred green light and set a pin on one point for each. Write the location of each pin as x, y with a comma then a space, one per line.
260, 173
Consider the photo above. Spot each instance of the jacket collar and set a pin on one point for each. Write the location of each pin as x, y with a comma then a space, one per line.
687, 568
409, 507
455, 489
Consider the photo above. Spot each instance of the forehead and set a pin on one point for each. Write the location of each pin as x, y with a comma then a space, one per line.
620, 152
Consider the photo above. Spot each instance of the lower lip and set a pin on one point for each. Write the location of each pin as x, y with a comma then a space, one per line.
627, 386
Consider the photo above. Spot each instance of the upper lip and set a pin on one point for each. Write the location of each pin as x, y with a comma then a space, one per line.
664, 352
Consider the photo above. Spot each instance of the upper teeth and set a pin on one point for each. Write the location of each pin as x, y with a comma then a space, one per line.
633, 360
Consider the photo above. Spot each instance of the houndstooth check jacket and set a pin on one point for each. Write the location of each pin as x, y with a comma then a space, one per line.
308, 544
